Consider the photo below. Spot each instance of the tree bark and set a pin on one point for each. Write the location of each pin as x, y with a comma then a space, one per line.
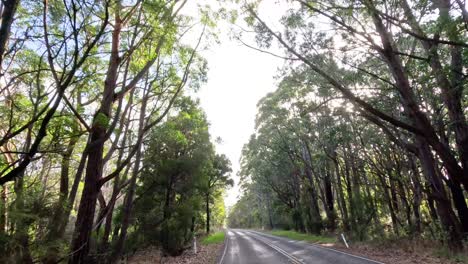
7, 15
443, 206
128, 206
3, 209
417, 195
60, 207
95, 149
207, 200
452, 85
316, 224
459, 201
330, 208
341, 198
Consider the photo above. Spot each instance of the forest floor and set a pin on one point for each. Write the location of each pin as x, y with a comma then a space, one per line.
207, 253
402, 252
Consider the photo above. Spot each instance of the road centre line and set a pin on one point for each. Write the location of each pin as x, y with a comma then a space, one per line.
280, 250
326, 248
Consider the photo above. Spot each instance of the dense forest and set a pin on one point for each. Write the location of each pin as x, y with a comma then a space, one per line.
366, 132
103, 148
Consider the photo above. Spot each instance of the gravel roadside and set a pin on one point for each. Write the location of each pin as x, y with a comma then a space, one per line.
401, 253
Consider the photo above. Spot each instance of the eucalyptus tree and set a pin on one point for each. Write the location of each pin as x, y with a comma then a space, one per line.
70, 48
44, 61
82, 83
153, 27
265, 162
406, 51
351, 171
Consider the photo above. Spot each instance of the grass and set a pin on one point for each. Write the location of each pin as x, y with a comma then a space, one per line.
303, 237
215, 238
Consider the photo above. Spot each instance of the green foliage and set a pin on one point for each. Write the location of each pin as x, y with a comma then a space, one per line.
101, 120
178, 165
319, 159
218, 211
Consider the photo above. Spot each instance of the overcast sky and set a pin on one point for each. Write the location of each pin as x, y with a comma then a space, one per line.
238, 78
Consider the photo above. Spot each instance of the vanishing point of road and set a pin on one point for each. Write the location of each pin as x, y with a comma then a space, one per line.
249, 247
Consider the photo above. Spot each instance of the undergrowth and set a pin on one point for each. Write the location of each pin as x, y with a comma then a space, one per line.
215, 238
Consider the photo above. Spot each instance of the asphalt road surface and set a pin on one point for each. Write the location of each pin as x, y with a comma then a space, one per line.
248, 247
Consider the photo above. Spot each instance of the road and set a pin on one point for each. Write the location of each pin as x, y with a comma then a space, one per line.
248, 247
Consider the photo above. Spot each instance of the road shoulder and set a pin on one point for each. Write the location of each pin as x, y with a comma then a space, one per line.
401, 251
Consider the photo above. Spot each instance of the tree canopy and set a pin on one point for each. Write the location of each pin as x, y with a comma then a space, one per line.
367, 129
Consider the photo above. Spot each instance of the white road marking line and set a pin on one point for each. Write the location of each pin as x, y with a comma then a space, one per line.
338, 251
280, 250
226, 239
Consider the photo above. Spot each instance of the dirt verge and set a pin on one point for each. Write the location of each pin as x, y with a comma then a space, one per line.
402, 252
206, 254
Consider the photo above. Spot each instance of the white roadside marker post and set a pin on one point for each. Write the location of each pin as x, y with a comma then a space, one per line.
344, 240
194, 244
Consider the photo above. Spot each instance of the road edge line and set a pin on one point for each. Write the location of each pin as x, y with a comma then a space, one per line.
226, 241
339, 251
319, 246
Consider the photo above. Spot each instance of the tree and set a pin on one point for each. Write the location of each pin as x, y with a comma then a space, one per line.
217, 171
171, 196
387, 51
82, 84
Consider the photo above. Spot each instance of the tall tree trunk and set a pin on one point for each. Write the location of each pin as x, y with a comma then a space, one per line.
3, 209
443, 206
406, 204
7, 17
104, 247
207, 200
317, 223
417, 195
330, 208
71, 198
349, 190
128, 206
270, 217
341, 198
4, 195
60, 207
459, 201
167, 214
388, 199
451, 85
412, 109
84, 222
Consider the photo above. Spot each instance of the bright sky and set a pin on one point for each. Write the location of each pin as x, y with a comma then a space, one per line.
238, 78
